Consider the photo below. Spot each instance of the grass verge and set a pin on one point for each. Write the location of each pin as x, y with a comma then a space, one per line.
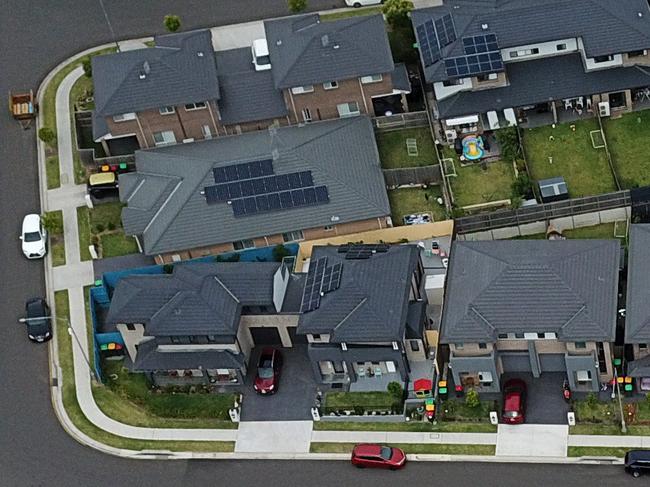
75, 414
452, 427
596, 451
421, 448
353, 12
406, 201
57, 242
52, 173
393, 153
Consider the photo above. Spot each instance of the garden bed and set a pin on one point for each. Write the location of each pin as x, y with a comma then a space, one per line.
628, 138
359, 403
406, 201
393, 152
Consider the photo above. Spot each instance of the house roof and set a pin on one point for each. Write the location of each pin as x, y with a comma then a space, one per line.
542, 80
166, 207
149, 358
304, 50
605, 27
372, 301
246, 95
639, 368
196, 299
637, 308
179, 69
568, 287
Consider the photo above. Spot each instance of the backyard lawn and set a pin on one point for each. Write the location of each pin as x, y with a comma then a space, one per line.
393, 153
102, 226
628, 138
407, 201
585, 169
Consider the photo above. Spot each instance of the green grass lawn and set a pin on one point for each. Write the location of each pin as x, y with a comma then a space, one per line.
52, 173
364, 400
71, 405
57, 242
421, 426
83, 223
628, 138
353, 12
393, 153
114, 244
454, 410
604, 230
421, 448
596, 451
585, 169
103, 226
406, 201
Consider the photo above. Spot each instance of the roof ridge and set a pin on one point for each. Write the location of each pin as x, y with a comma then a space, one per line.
615, 14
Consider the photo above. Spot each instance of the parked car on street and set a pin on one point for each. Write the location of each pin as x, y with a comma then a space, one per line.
362, 3
268, 371
637, 462
514, 402
38, 320
34, 237
378, 456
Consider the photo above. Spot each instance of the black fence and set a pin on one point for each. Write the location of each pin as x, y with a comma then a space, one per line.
401, 120
413, 175
542, 212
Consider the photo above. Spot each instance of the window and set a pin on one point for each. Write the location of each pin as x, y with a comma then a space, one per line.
524, 52
212, 338
550, 335
583, 375
534, 50
330, 85
519, 335
493, 76
560, 47
328, 228
123, 117
167, 110
375, 78
579, 345
482, 77
306, 115
175, 339
194, 106
344, 346
459, 345
315, 337
163, 138
207, 133
452, 82
350, 109
485, 378
637, 53
244, 244
415, 345
176, 258
293, 236
482, 346
130, 326
298, 90
530, 336
503, 336
603, 59
540, 335
643, 346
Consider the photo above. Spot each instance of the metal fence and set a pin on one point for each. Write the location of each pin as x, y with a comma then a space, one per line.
531, 214
412, 175
401, 120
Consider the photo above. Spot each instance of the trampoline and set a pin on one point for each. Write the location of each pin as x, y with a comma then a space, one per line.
473, 147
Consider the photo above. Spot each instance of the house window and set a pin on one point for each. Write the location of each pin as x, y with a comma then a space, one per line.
315, 337
560, 47
519, 335
164, 138
350, 109
244, 244
415, 345
482, 77
167, 110
212, 338
459, 345
452, 82
176, 258
503, 336
328, 228
293, 236
524, 52
643, 346
330, 85
130, 326
637, 53
603, 59
530, 336
580, 345
540, 335
207, 133
175, 339
375, 78
482, 346
306, 115
298, 90
123, 117
194, 106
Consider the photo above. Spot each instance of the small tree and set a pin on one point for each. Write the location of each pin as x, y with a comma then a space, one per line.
509, 142
396, 11
296, 6
48, 136
172, 23
522, 186
52, 223
280, 252
87, 65
395, 390
471, 399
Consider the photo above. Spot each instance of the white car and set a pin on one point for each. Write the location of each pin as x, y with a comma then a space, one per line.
261, 59
34, 237
362, 3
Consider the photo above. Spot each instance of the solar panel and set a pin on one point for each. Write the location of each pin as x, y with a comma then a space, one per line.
332, 278
271, 184
428, 43
231, 173
310, 196
243, 170
274, 201
473, 64
294, 180
259, 187
246, 187
211, 194
283, 182
311, 292
219, 174
306, 179
262, 203
238, 208
285, 200
358, 254
321, 194
298, 197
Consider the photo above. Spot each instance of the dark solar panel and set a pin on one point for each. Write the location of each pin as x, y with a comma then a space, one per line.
267, 167
219, 175
246, 187
428, 43
332, 278
271, 184
211, 194
311, 292
243, 170
310, 196
238, 208
321, 194
285, 200
283, 182
231, 173
259, 187
294, 180
298, 197
274, 201
473, 64
262, 203
480, 43
306, 179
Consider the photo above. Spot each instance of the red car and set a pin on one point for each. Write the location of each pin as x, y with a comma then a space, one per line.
514, 402
268, 371
378, 456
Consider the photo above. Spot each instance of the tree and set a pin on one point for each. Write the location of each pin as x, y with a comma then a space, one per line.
508, 140
280, 252
471, 399
522, 186
48, 136
296, 6
395, 390
52, 223
396, 11
87, 65
172, 22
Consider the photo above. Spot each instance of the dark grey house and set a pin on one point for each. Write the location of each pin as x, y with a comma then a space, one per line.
199, 323
531, 306
364, 314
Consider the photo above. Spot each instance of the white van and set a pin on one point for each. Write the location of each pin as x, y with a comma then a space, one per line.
362, 3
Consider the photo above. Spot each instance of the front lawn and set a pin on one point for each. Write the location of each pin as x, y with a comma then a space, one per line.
585, 169
102, 226
628, 138
393, 153
596, 451
454, 410
420, 426
406, 201
416, 448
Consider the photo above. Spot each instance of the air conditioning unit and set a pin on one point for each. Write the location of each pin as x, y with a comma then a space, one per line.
450, 135
603, 109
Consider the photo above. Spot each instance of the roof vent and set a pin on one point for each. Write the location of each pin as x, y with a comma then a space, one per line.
325, 40
177, 311
278, 42
275, 154
199, 54
143, 76
335, 218
484, 26
640, 14
336, 46
146, 68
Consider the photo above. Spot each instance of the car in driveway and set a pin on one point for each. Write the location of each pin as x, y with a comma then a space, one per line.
378, 456
33, 237
514, 402
38, 320
269, 366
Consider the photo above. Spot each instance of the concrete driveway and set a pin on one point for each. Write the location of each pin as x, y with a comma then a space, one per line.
546, 405
295, 395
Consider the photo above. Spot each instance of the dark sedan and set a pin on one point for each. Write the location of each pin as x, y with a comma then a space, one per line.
38, 320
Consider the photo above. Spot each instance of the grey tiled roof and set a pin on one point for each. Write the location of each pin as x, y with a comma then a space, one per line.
196, 299
342, 154
246, 95
177, 74
150, 359
605, 27
304, 50
637, 309
541, 80
371, 304
400, 78
569, 287
639, 368
100, 127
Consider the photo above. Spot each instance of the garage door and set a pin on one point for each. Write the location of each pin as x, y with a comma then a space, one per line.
265, 336
552, 362
295, 338
515, 362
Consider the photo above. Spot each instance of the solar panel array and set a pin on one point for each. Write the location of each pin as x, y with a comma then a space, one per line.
488, 62
252, 188
433, 36
362, 251
321, 279
480, 43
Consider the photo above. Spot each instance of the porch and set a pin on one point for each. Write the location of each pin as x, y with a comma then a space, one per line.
375, 376
558, 111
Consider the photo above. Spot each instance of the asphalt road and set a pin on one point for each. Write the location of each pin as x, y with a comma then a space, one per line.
34, 449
